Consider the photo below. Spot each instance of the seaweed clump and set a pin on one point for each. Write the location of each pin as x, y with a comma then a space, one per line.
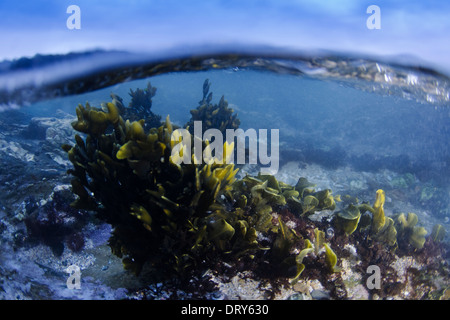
139, 106
399, 231
160, 211
213, 116
178, 216
173, 216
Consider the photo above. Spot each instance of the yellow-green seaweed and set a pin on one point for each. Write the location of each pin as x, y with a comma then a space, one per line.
330, 258
347, 220
379, 218
217, 116
438, 233
177, 216
130, 172
408, 230
417, 238
388, 233
300, 265
319, 240
304, 186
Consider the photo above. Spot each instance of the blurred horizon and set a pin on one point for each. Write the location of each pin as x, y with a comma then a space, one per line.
408, 28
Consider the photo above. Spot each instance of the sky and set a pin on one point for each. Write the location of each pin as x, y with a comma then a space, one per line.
407, 28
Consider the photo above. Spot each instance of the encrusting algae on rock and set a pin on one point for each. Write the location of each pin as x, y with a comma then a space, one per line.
178, 218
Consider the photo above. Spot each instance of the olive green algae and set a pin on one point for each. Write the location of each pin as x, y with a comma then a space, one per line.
413, 264
178, 219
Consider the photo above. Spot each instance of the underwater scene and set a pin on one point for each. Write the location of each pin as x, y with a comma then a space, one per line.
313, 178
224, 150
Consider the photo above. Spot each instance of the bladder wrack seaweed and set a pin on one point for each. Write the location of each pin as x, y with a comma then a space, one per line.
178, 215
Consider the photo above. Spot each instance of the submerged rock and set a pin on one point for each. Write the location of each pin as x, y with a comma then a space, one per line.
320, 295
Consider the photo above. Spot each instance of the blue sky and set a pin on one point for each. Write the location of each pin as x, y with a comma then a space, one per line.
418, 28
